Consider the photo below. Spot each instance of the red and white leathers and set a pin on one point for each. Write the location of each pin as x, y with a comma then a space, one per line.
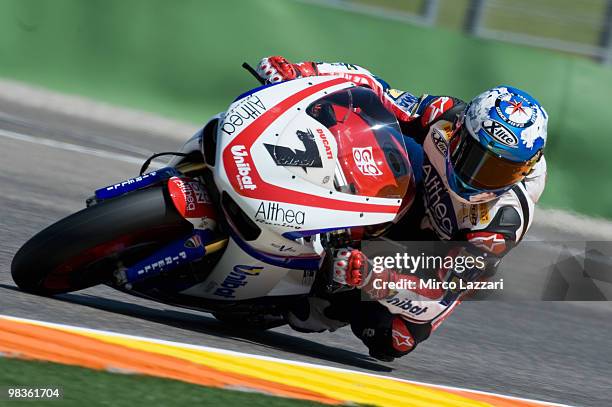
277, 69
491, 227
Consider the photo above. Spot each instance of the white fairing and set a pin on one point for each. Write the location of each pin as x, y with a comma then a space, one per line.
285, 202
239, 276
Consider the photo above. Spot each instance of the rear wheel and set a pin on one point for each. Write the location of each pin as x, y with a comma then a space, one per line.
83, 249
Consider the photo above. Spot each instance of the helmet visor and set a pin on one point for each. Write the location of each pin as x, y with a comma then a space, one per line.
480, 168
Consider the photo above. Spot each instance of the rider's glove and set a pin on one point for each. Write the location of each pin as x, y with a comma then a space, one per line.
277, 69
351, 268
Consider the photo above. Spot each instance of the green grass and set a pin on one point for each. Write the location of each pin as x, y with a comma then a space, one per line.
85, 387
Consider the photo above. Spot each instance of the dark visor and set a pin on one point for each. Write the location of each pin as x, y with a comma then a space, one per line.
481, 168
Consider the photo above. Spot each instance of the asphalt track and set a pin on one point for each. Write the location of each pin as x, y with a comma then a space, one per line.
49, 164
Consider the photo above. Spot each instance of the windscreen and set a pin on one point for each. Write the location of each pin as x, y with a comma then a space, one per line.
371, 154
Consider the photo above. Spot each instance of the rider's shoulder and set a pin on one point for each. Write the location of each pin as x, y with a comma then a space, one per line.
507, 217
433, 108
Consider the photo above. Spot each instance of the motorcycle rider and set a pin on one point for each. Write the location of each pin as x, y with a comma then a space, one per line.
481, 169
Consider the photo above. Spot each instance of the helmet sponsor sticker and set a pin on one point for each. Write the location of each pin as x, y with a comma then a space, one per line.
500, 133
515, 110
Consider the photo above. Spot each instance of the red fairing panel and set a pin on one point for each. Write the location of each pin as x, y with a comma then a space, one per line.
190, 198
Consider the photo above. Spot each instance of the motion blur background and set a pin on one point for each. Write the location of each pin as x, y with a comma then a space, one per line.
182, 59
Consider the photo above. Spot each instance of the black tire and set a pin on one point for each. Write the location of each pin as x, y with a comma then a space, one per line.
70, 255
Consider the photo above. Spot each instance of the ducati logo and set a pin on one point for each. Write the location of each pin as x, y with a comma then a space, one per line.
325, 141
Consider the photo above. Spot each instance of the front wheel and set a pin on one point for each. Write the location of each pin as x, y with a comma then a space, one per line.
84, 249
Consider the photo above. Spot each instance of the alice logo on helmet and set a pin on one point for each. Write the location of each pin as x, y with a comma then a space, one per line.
495, 144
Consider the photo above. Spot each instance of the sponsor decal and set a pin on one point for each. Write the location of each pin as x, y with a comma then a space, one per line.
247, 110
408, 306
394, 93
243, 177
364, 159
132, 181
515, 110
488, 241
237, 278
407, 102
483, 208
326, 145
308, 277
402, 338
272, 213
464, 213
439, 141
437, 202
474, 214
283, 248
193, 242
500, 133
437, 107
448, 131
161, 264
190, 198
286, 157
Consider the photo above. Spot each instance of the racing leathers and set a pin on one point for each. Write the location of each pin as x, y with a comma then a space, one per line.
394, 324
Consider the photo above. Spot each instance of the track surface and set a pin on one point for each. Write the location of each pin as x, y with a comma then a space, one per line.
557, 352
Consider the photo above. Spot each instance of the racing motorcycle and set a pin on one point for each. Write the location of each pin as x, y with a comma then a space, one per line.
242, 221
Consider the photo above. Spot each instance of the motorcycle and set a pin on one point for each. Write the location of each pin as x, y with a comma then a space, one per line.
242, 221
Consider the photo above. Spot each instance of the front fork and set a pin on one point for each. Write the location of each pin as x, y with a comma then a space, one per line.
175, 254
191, 201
